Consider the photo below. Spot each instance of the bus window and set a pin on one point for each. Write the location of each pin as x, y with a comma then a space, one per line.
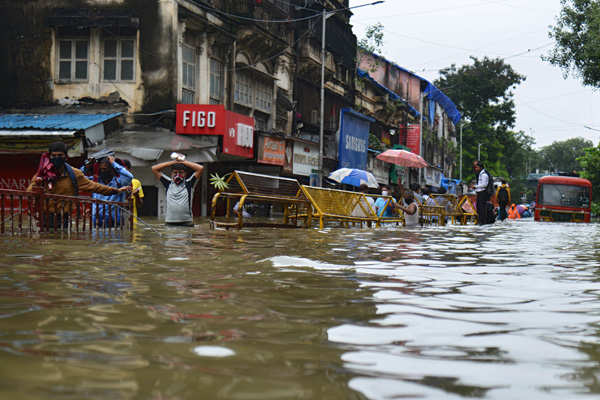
565, 195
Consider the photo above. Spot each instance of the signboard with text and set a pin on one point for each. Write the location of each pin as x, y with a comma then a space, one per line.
305, 159
236, 129
433, 177
354, 139
271, 151
413, 138
239, 139
200, 119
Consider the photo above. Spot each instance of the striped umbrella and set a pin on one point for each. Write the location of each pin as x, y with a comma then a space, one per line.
354, 177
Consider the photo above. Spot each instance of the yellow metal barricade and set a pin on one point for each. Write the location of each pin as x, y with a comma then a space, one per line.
432, 213
258, 188
340, 205
468, 210
449, 202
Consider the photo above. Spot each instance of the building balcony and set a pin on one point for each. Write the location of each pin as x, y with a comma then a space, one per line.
310, 58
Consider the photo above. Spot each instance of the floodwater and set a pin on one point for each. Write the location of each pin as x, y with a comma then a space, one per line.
510, 311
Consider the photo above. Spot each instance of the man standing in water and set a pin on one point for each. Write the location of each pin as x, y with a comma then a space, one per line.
179, 189
483, 180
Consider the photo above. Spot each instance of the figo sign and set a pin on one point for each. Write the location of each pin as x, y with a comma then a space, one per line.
237, 130
200, 119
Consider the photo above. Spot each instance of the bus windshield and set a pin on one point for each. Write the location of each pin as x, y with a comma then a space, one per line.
565, 195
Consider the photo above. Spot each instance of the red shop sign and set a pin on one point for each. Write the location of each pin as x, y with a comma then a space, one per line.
200, 119
413, 138
239, 139
209, 119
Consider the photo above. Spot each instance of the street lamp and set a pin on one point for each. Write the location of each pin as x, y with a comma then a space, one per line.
325, 15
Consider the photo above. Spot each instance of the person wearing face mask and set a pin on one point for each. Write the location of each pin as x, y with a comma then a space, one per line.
113, 174
380, 204
179, 189
56, 176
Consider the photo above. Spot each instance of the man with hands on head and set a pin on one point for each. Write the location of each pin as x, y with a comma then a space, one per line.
179, 188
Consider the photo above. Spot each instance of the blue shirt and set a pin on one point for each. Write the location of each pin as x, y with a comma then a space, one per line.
379, 204
112, 217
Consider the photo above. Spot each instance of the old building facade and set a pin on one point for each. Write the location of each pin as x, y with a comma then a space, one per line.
149, 59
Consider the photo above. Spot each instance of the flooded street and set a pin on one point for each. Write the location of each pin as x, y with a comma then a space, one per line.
502, 312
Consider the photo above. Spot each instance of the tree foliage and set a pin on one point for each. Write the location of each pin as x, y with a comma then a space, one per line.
483, 92
577, 40
373, 39
562, 156
590, 164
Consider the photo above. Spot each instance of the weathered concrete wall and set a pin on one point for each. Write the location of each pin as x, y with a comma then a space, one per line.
27, 43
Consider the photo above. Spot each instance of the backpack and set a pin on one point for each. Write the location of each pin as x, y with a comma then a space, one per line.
73, 179
490, 187
502, 195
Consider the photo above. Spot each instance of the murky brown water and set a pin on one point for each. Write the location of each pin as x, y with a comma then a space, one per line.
510, 311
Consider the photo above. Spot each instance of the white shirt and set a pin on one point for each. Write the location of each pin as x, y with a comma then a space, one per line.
482, 181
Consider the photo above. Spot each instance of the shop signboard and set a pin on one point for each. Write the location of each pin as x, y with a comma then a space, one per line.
433, 177
236, 129
200, 119
306, 158
413, 138
354, 139
239, 139
271, 150
288, 164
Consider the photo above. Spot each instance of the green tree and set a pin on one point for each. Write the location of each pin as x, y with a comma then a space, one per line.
563, 155
373, 39
590, 164
483, 92
577, 40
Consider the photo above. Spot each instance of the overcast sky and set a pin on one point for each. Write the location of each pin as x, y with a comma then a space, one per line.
425, 36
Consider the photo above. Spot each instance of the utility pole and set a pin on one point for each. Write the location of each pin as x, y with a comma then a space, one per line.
460, 152
322, 116
325, 15
479, 151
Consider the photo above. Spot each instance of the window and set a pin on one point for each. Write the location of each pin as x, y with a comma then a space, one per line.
261, 122
73, 60
243, 89
264, 96
216, 81
565, 195
118, 60
188, 93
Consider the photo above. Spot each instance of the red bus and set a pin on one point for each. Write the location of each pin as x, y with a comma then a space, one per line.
563, 199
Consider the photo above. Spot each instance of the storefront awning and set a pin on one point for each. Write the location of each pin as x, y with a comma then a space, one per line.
21, 133
152, 145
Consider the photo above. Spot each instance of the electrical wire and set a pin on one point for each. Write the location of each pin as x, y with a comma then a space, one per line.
244, 18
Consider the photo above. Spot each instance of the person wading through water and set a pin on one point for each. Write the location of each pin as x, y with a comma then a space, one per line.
484, 190
503, 197
56, 176
179, 189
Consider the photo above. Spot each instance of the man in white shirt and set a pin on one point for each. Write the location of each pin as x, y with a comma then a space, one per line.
482, 193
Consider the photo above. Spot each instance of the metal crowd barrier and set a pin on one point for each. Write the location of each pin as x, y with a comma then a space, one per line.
258, 188
24, 212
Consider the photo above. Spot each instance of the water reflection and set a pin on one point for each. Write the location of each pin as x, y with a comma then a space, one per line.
504, 311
